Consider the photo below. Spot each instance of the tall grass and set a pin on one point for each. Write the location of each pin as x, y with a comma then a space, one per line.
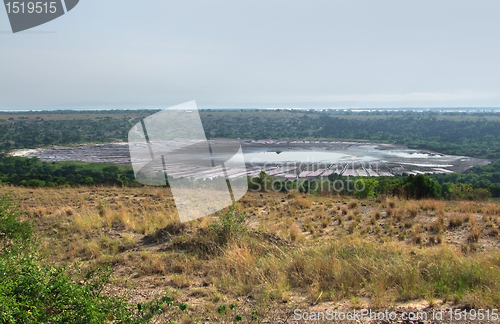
344, 269
286, 246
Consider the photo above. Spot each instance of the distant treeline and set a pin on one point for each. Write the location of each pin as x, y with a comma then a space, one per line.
457, 134
477, 138
475, 135
32, 172
405, 187
33, 133
487, 177
478, 183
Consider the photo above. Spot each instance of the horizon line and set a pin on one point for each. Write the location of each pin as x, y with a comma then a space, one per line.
421, 109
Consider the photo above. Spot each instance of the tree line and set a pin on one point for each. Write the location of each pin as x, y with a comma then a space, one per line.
31, 172
476, 135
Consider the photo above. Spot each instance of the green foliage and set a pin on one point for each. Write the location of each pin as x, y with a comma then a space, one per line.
369, 185
221, 309
150, 310
34, 173
471, 134
229, 224
36, 132
421, 187
229, 312
412, 187
260, 183
13, 233
459, 191
486, 177
477, 138
32, 291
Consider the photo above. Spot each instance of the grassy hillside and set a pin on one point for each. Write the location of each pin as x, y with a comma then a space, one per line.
286, 251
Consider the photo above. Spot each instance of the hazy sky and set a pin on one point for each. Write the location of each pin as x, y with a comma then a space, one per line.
274, 53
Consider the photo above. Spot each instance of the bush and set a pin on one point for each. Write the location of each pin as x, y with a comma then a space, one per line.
229, 224
369, 185
13, 233
32, 291
421, 187
465, 191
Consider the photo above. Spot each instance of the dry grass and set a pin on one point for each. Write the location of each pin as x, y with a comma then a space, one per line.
417, 235
353, 204
412, 209
490, 209
295, 233
359, 266
468, 207
315, 249
438, 225
434, 240
398, 213
432, 205
474, 235
301, 202
456, 220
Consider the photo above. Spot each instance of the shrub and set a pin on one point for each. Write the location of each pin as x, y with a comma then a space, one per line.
32, 291
416, 235
13, 233
466, 191
369, 185
294, 232
421, 186
229, 224
302, 203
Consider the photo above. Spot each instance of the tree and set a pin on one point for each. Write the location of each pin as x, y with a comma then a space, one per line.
421, 186
367, 190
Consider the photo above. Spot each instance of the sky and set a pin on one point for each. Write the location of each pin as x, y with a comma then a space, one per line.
117, 54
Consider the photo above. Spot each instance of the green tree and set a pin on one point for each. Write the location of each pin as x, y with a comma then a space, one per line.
421, 186
368, 189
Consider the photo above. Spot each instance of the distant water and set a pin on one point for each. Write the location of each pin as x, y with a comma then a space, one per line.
290, 158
